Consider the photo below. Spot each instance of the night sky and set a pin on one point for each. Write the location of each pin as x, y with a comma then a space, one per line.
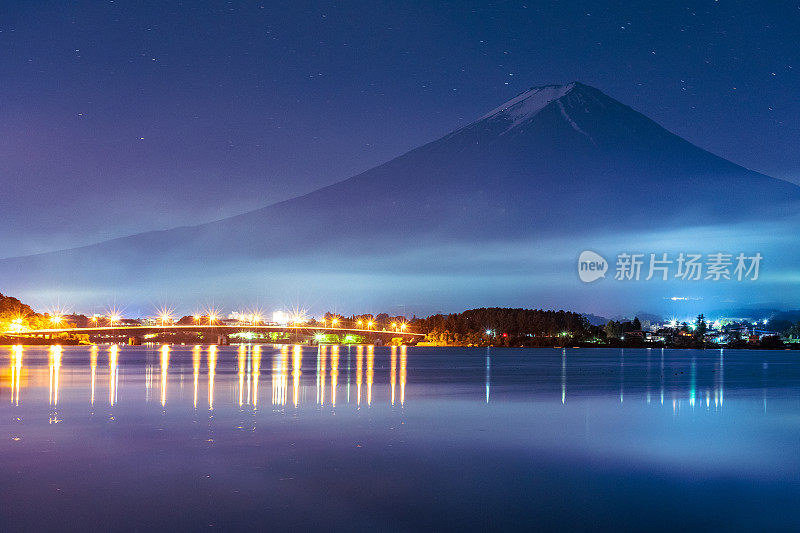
120, 117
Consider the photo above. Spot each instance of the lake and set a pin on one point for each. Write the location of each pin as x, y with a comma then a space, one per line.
356, 438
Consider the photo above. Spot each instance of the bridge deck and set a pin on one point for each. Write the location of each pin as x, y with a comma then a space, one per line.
216, 327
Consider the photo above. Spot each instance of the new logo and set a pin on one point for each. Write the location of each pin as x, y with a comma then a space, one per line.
591, 266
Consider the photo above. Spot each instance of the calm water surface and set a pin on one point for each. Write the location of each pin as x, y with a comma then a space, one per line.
182, 437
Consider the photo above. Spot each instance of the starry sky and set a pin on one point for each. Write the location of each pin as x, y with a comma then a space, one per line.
120, 117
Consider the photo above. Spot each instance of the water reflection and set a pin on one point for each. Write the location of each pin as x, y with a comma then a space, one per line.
322, 362
393, 370
297, 361
16, 373
563, 375
693, 379
662, 376
55, 370
359, 371
113, 374
720, 375
93, 368
403, 365
212, 369
488, 373
611, 442
280, 377
334, 373
621, 376
370, 372
242, 366
164, 368
196, 355
256, 372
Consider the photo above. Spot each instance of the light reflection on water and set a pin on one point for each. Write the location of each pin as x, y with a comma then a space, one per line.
507, 428
688, 380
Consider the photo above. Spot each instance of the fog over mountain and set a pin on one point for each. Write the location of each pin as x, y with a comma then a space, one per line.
494, 213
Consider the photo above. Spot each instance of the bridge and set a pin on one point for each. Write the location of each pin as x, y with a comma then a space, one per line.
222, 332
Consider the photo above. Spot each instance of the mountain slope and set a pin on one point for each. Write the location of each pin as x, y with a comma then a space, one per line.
555, 161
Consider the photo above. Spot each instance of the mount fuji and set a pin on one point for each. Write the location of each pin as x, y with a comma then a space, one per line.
554, 169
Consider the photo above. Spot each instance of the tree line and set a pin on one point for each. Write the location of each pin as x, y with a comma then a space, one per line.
505, 327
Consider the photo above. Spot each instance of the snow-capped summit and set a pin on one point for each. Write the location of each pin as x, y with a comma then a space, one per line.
526, 105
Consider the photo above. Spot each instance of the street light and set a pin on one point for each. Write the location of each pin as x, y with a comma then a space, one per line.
212, 317
369, 324
56, 319
334, 322
197, 318
16, 325
114, 318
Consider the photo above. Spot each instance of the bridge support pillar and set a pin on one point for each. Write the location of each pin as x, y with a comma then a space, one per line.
223, 340
134, 341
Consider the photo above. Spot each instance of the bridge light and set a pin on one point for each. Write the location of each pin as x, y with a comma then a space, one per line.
212, 317
403, 326
114, 318
16, 325
360, 323
56, 319
394, 326
196, 318
370, 324
334, 322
